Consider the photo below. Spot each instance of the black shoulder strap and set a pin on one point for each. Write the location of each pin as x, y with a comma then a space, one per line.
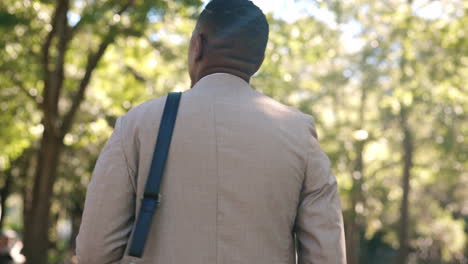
151, 195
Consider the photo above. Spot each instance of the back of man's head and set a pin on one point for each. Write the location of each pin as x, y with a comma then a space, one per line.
237, 27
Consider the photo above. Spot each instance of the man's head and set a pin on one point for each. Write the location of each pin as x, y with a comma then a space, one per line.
230, 36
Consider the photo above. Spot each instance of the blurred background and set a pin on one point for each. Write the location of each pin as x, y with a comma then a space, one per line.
385, 80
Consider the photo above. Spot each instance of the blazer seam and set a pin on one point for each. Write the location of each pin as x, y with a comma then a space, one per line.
301, 192
129, 172
307, 153
217, 179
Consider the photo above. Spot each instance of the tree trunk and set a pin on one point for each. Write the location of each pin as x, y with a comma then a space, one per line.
56, 125
408, 150
36, 222
354, 246
75, 217
4, 193
15, 176
466, 240
353, 232
352, 249
407, 146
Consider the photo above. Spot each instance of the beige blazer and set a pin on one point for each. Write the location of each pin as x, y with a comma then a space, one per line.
245, 182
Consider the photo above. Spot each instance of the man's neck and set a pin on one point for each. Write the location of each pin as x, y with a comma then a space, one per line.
222, 69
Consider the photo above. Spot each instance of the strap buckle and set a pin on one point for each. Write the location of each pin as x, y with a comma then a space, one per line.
150, 201
151, 195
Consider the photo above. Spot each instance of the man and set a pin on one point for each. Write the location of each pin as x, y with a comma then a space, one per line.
5, 250
245, 179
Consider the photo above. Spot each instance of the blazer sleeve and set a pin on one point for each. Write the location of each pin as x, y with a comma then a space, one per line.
109, 206
319, 222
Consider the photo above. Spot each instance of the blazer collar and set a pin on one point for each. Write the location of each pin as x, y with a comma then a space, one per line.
219, 84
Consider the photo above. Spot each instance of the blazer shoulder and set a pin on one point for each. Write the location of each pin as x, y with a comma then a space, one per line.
139, 124
143, 114
288, 112
146, 107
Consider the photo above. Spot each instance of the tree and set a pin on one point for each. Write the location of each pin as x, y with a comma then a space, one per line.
384, 83
61, 92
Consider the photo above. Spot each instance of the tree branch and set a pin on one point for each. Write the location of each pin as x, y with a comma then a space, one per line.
125, 7
62, 44
137, 75
50, 36
23, 89
51, 88
93, 59
73, 30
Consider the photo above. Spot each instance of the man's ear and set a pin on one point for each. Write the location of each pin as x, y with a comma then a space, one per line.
199, 46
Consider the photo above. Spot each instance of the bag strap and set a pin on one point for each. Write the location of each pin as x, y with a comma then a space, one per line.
151, 198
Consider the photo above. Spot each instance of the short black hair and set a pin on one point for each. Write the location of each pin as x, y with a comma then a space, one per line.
239, 24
